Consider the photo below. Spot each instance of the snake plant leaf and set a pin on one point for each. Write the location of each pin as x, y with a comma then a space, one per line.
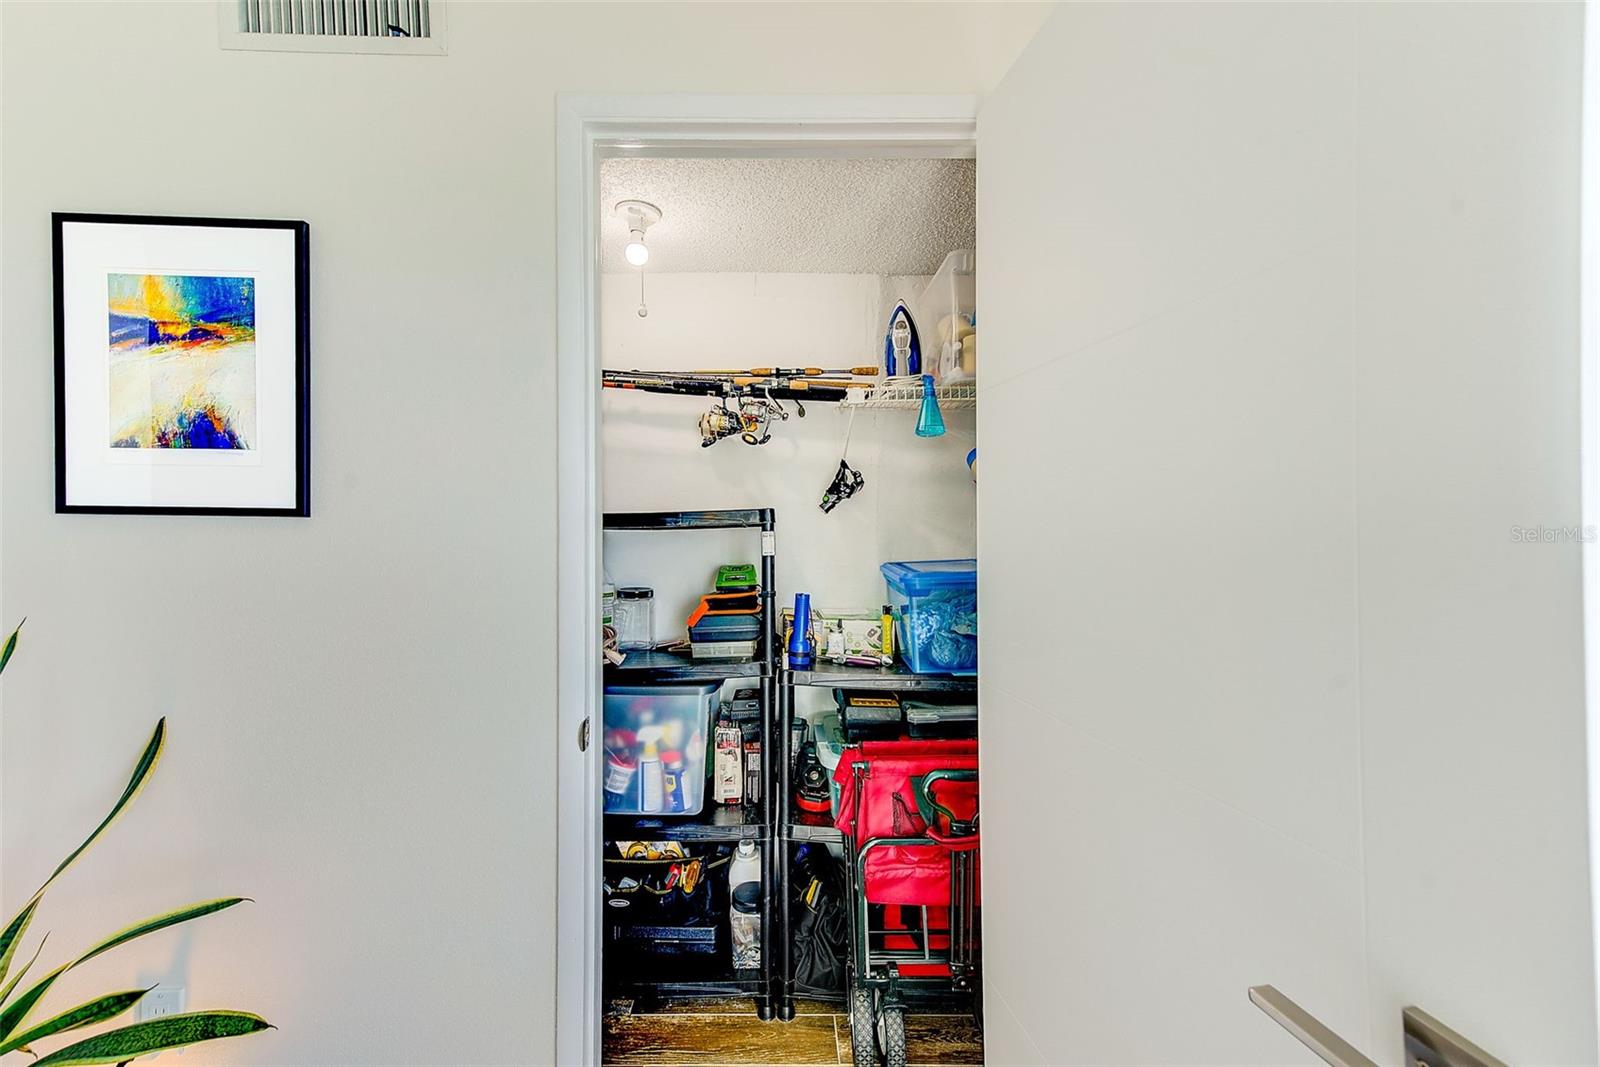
141, 774
16, 1013
12, 935
157, 922
95, 1011
10, 645
172, 1031
5, 994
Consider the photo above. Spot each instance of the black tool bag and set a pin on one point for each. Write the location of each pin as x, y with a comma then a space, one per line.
665, 907
821, 923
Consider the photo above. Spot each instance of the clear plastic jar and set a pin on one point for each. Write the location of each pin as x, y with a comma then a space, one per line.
633, 617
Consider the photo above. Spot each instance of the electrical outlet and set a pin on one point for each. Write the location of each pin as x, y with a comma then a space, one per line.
162, 1000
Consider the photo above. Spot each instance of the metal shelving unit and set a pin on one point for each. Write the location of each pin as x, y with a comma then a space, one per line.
774, 823
896, 677
679, 667
799, 827
716, 823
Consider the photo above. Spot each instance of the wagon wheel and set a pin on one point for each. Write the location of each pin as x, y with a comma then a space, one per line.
893, 1036
863, 1053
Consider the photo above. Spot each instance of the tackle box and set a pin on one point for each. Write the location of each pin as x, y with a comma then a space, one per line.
925, 719
720, 628
935, 605
869, 715
674, 721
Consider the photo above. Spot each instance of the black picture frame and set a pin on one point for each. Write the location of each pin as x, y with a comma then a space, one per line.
302, 360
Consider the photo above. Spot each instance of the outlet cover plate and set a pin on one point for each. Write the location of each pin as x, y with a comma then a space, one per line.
160, 1001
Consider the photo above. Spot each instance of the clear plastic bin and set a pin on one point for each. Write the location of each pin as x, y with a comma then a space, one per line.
935, 604
946, 314
655, 747
829, 739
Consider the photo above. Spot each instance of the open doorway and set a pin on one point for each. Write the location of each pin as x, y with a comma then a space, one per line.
771, 247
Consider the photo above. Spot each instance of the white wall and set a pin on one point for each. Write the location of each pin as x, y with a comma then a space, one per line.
361, 704
1304, 331
1466, 369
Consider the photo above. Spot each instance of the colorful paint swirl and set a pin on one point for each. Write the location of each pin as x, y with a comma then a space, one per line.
182, 361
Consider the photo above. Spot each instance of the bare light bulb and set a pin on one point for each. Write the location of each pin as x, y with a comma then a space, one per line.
636, 253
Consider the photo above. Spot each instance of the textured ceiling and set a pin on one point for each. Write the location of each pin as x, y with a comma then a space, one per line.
814, 216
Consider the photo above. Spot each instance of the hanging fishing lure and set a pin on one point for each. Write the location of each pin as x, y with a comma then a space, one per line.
848, 481
846, 484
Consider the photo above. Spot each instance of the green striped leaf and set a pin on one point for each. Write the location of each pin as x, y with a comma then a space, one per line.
171, 1031
5, 994
10, 646
16, 1013
157, 922
95, 1011
141, 774
12, 935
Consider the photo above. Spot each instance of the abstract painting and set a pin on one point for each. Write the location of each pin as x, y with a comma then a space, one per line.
183, 361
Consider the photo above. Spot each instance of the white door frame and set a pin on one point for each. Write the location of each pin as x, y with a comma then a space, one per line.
588, 129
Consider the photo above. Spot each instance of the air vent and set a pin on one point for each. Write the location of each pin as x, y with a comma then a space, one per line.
397, 27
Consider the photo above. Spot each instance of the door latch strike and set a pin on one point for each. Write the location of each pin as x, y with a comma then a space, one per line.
583, 735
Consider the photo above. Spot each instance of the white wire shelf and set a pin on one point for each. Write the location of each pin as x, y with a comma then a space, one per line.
905, 394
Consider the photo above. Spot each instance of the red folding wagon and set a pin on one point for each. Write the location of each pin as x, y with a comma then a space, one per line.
909, 814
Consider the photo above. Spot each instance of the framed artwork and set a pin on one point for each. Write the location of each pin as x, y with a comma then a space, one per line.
182, 365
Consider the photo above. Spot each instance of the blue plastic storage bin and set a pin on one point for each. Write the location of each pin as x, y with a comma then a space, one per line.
655, 747
936, 614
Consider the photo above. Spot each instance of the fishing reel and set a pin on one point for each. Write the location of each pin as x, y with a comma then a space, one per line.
846, 484
751, 420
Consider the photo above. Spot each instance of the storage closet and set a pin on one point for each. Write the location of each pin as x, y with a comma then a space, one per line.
729, 889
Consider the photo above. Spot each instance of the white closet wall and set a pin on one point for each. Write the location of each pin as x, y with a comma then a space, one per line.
918, 502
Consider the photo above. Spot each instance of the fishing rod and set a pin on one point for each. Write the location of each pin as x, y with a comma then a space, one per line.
747, 403
824, 386
682, 383
792, 372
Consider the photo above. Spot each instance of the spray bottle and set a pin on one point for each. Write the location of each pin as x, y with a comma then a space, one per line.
652, 781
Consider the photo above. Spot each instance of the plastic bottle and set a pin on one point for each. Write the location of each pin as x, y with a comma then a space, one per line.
652, 781
929, 423
672, 778
744, 905
745, 867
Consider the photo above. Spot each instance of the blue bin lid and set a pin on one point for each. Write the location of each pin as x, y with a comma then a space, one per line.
927, 576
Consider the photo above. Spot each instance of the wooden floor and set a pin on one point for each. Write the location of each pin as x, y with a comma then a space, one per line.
705, 1033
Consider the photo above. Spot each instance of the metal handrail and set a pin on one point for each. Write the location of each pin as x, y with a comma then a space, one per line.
1329, 1046
1432, 1043
1429, 1042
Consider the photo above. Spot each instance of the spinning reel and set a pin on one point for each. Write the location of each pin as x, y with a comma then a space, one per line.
751, 420
846, 484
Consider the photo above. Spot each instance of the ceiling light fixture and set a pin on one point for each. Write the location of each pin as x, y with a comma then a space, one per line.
638, 216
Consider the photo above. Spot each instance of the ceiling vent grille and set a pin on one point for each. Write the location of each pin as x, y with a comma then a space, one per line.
396, 27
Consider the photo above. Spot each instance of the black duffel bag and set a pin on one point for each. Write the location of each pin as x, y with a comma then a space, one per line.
821, 923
